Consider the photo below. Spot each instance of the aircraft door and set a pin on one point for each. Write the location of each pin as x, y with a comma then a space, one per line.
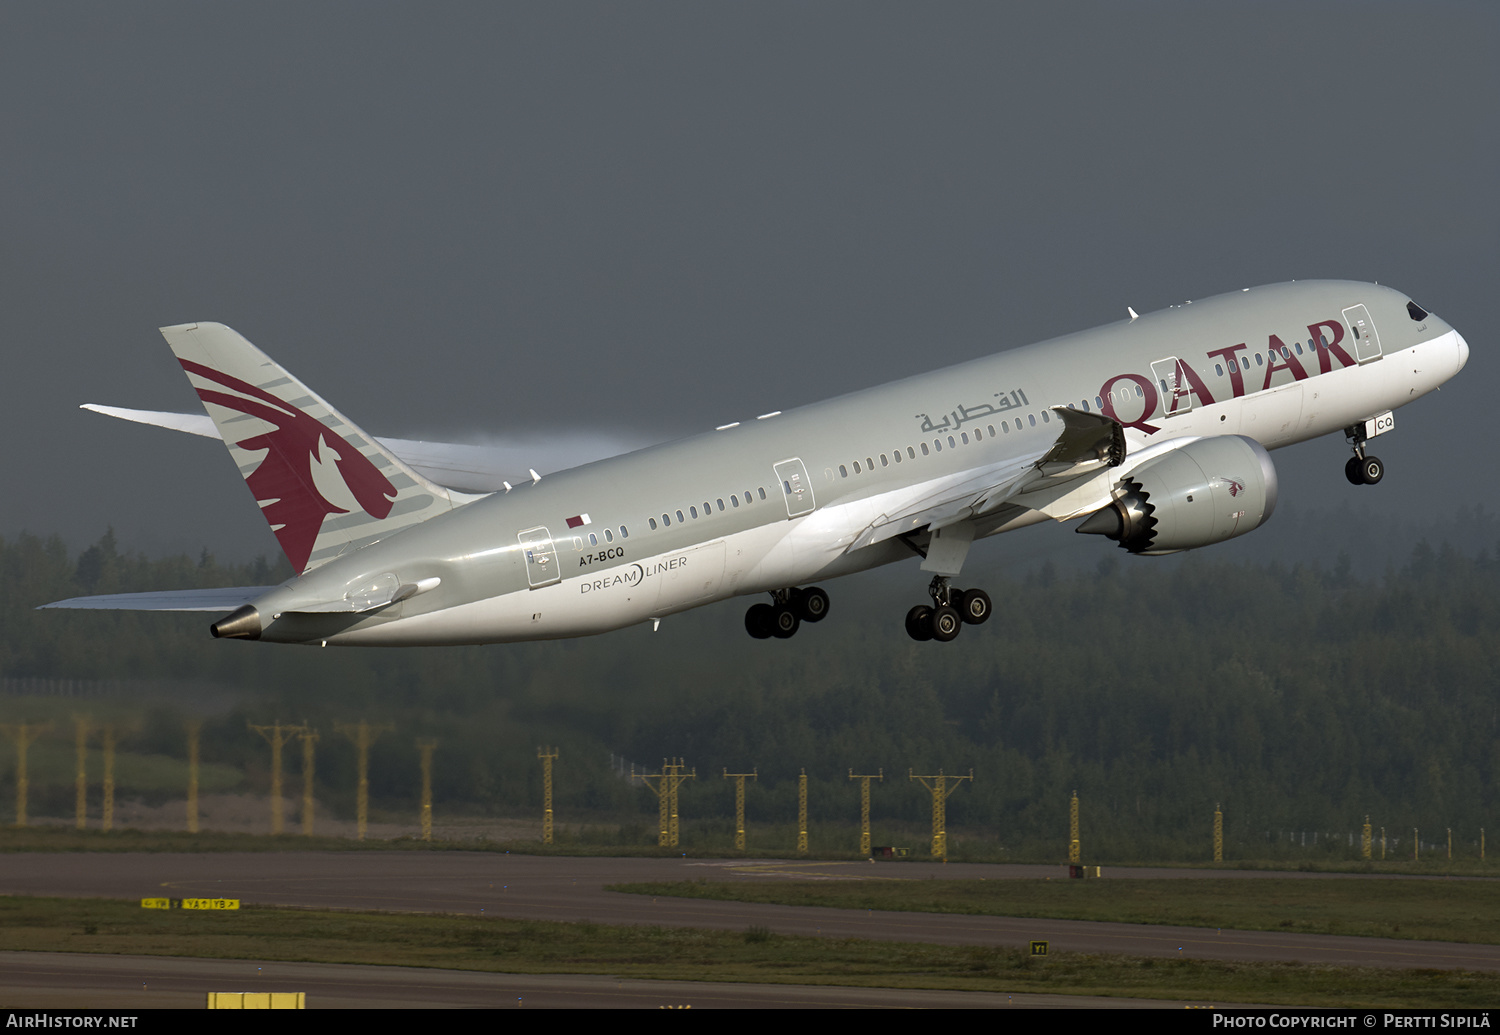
1176, 395
542, 568
796, 486
1366, 338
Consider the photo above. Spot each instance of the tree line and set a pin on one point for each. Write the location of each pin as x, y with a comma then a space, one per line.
1293, 696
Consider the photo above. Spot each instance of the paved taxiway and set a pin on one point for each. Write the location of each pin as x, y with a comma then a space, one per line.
558, 888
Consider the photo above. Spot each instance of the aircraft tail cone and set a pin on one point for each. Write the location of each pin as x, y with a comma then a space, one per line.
1105, 522
243, 624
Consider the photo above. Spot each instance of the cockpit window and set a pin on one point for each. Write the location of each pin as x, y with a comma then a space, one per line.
1416, 312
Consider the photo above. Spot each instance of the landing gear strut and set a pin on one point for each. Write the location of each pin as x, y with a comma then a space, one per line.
1361, 468
786, 613
951, 610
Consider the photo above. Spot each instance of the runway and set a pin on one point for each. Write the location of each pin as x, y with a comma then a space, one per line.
568, 889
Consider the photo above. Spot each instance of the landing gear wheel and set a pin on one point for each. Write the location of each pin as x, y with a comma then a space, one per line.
758, 620
1353, 471
784, 622
812, 604
973, 606
919, 622
946, 624
1371, 470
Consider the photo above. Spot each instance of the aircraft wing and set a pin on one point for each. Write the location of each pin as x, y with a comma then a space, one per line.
226, 599
1087, 444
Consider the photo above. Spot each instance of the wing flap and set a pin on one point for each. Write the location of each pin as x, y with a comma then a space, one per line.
1087, 444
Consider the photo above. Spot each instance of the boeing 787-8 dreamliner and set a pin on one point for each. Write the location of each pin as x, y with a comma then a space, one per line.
1154, 430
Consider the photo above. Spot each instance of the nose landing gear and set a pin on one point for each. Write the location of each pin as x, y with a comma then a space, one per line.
952, 609
1363, 469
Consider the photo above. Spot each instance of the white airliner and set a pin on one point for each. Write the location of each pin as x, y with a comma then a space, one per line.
1154, 430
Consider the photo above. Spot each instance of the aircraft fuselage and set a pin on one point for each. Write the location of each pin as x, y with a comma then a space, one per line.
790, 498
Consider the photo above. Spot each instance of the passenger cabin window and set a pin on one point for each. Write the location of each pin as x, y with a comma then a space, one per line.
652, 523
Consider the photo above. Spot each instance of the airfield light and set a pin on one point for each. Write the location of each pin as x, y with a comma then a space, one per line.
1218, 829
362, 735
107, 818
802, 813
864, 806
667, 782
1364, 840
194, 730
426, 746
276, 735
940, 787
739, 805
81, 778
23, 735
547, 758
309, 740
1075, 849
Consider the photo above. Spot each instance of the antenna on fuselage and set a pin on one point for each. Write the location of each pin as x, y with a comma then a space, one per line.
1133, 314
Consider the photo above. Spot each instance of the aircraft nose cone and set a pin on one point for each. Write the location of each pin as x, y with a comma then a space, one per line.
1463, 351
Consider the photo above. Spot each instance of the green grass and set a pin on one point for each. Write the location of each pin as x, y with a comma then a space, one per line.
755, 955
1429, 910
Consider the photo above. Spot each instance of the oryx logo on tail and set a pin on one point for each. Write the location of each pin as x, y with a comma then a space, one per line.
286, 483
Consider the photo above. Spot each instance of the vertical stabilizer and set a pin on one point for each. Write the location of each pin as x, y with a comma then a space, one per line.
324, 486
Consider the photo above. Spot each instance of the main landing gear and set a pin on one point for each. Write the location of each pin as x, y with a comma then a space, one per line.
785, 615
951, 610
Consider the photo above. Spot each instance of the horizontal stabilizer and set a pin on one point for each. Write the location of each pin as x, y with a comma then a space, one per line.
192, 423
225, 599
460, 466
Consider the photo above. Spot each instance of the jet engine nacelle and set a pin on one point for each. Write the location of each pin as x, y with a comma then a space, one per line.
1204, 492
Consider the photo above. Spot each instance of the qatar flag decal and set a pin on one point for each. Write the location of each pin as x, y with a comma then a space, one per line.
578, 521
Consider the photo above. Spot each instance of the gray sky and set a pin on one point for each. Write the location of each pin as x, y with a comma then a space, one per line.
643, 220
